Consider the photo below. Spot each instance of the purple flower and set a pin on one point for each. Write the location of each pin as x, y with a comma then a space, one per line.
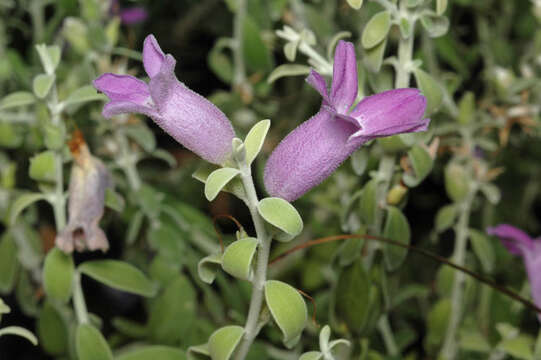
188, 117
128, 16
519, 243
88, 181
311, 152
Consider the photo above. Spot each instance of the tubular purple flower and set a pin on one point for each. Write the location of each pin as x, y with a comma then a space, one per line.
128, 16
519, 243
188, 117
311, 152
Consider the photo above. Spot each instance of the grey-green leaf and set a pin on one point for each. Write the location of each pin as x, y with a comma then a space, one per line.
58, 274
8, 263
155, 352
435, 25
255, 139
311, 355
356, 4
223, 342
238, 257
19, 331
84, 94
21, 203
217, 180
288, 70
90, 344
43, 166
119, 275
42, 84
17, 99
396, 228
422, 164
352, 296
208, 266
445, 217
482, 247
281, 214
430, 89
288, 309
376, 29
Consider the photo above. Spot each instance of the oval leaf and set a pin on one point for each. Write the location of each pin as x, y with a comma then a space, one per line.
311, 355
376, 29
482, 247
445, 217
208, 266
368, 203
90, 344
238, 257
58, 275
356, 4
435, 25
422, 164
288, 310
217, 180
430, 89
255, 139
396, 228
223, 342
42, 85
43, 166
82, 95
288, 70
16, 99
156, 352
19, 331
119, 275
52, 330
8, 263
281, 214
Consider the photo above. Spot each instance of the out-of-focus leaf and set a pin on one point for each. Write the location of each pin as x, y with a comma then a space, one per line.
352, 296
90, 344
19, 331
8, 263
396, 228
58, 273
52, 330
256, 54
156, 352
376, 29
288, 70
17, 99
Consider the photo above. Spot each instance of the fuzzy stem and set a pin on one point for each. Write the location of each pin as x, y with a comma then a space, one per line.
251, 327
387, 334
127, 161
79, 300
240, 71
405, 54
449, 349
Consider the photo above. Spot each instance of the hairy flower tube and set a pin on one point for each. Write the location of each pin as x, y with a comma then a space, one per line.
188, 117
128, 16
519, 243
311, 152
88, 182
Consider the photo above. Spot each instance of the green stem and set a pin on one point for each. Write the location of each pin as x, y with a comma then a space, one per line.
79, 300
405, 55
240, 71
251, 327
388, 337
127, 161
449, 349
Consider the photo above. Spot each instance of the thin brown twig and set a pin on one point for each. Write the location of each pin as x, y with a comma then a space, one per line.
227, 216
313, 303
427, 253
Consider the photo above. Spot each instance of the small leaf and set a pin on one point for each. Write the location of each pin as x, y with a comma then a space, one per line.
84, 94
352, 296
519, 347
288, 310
331, 46
8, 263
430, 89
52, 330
155, 352
54, 136
435, 25
422, 164
368, 203
255, 139
356, 4
165, 156
58, 272
21, 203
208, 266
492, 193
223, 342
114, 200
288, 70
405, 27
198, 352
238, 257
142, 135
376, 29
441, 6
482, 247
16, 99
19, 331
311, 355
119, 275
256, 54
445, 217
457, 182
290, 50
281, 214
437, 321
466, 108
4, 309
374, 57
90, 344
396, 228
49, 56
217, 180
11, 135
42, 85
219, 62
43, 166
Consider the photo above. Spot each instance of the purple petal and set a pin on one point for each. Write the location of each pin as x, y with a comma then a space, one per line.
153, 56
133, 15
127, 107
515, 240
532, 261
344, 81
188, 117
122, 87
390, 112
308, 155
318, 82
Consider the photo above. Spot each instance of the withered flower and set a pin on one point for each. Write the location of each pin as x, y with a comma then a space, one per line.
88, 182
